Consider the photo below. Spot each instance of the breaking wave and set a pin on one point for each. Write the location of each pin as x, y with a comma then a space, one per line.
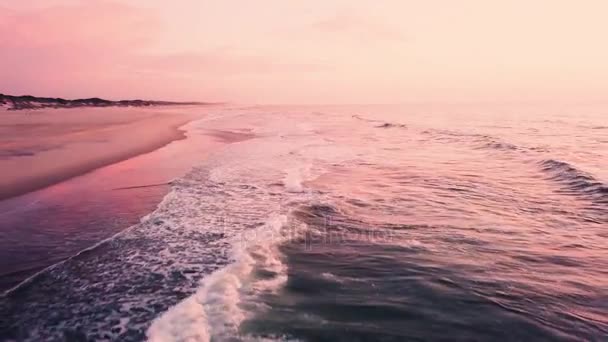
380, 123
226, 297
393, 232
575, 181
479, 141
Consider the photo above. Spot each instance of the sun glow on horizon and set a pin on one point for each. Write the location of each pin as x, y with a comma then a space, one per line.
306, 51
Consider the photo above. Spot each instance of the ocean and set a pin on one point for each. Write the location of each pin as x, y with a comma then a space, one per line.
354, 223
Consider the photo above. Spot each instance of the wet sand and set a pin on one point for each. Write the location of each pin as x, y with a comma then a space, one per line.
43, 147
49, 225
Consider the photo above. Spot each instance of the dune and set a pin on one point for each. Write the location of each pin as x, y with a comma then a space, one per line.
42, 147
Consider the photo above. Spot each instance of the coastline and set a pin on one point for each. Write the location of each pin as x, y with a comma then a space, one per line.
61, 221
50, 146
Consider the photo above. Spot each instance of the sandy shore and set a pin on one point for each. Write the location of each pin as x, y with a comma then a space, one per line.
43, 147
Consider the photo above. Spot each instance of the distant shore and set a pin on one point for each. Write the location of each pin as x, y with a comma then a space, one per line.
43, 147
28, 102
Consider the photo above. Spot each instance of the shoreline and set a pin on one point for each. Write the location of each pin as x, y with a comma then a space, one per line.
66, 219
31, 167
29, 102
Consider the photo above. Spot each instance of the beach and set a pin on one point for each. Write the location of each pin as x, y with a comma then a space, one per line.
311, 171
45, 226
324, 223
43, 147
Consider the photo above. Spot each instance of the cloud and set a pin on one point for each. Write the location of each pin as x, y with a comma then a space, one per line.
92, 25
223, 62
112, 50
351, 25
48, 48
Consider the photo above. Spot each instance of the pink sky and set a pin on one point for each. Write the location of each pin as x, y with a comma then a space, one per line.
278, 51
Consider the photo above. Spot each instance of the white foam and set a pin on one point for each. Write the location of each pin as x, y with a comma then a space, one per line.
216, 310
294, 178
185, 322
331, 277
233, 184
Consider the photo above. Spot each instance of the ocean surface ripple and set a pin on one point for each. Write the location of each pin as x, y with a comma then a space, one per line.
353, 223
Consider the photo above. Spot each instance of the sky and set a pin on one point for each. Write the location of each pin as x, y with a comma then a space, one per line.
309, 52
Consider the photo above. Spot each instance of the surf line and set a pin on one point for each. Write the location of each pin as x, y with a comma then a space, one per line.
142, 186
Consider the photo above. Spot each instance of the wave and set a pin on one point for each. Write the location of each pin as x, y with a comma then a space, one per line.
381, 124
316, 214
479, 141
593, 127
225, 298
294, 177
498, 145
359, 117
191, 237
574, 180
391, 125
264, 197
203, 265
